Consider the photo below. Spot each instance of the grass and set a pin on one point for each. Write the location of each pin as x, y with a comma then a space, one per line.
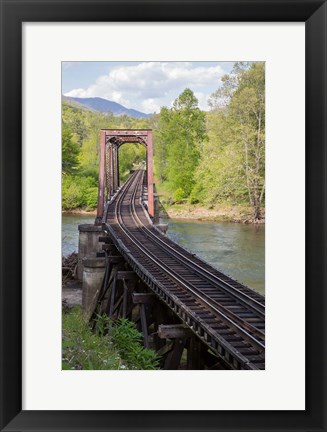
107, 348
83, 349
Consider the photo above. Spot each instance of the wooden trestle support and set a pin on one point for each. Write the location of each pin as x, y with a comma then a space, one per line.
123, 295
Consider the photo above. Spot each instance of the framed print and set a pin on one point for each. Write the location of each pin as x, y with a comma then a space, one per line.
176, 43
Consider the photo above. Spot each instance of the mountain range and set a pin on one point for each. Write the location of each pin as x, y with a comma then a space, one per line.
106, 106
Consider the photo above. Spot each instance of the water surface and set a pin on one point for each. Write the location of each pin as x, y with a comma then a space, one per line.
69, 231
233, 248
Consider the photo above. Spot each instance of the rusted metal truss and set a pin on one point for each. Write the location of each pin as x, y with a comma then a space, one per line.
110, 142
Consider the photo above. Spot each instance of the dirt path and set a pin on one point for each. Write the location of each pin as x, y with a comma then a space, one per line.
72, 294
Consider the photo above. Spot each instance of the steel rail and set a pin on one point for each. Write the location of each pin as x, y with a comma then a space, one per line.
224, 310
214, 304
233, 291
246, 336
207, 333
212, 301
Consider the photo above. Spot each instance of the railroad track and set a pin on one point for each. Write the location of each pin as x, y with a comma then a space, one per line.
228, 316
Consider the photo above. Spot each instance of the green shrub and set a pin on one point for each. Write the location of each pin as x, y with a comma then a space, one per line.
79, 191
83, 349
128, 340
72, 194
109, 346
90, 172
196, 194
179, 195
91, 197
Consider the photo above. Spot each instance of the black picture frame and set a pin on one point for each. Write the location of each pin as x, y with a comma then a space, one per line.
13, 14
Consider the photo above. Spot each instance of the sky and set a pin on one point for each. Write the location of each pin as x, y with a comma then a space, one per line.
144, 86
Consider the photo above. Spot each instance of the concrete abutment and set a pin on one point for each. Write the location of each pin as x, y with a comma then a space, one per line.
88, 244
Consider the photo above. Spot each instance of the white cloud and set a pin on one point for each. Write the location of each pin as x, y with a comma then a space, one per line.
79, 92
148, 86
150, 105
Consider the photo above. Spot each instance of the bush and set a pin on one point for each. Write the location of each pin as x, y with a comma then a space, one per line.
179, 195
108, 347
90, 172
91, 197
79, 192
196, 194
83, 349
128, 341
72, 195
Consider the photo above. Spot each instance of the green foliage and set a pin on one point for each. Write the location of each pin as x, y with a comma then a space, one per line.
79, 192
219, 177
197, 194
128, 341
81, 150
179, 195
179, 141
83, 349
130, 154
70, 151
161, 140
232, 167
107, 347
91, 197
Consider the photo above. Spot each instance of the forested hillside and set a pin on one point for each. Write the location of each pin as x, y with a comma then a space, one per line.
212, 159
105, 106
80, 153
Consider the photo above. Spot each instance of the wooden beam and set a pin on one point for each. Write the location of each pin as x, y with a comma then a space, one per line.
174, 356
145, 298
125, 300
195, 351
112, 298
105, 239
109, 247
144, 325
174, 331
115, 259
127, 275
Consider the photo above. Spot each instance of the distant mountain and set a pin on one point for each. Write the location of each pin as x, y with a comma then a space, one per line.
106, 106
68, 101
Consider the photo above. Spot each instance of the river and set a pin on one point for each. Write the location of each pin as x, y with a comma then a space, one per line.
236, 249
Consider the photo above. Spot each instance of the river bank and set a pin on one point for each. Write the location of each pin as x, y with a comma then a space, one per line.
80, 211
236, 214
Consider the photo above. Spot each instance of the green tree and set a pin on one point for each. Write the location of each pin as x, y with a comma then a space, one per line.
240, 107
219, 177
70, 151
130, 154
180, 137
161, 140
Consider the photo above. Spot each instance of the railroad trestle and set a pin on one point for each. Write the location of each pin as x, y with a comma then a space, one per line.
123, 294
186, 310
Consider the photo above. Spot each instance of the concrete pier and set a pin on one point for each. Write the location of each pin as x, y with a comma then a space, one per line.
88, 244
162, 227
93, 274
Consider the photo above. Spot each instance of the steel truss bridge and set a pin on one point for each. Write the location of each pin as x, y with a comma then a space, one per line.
180, 303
